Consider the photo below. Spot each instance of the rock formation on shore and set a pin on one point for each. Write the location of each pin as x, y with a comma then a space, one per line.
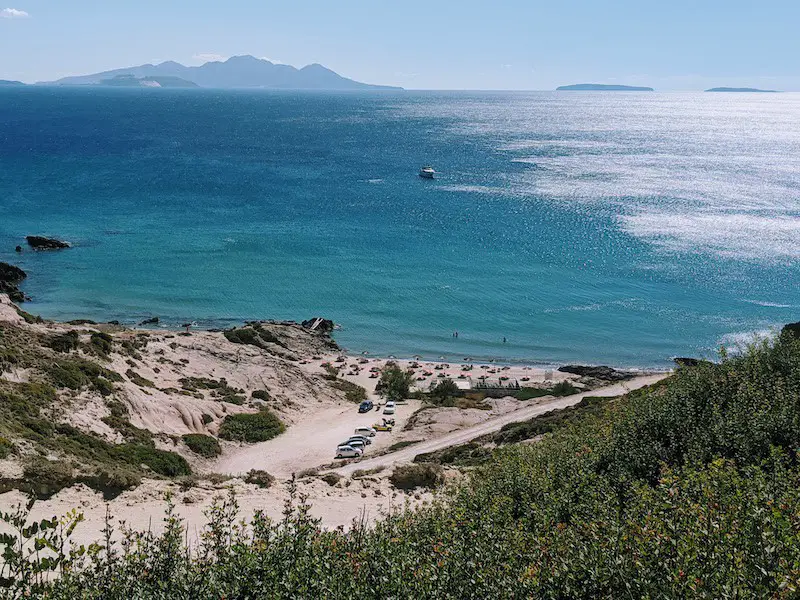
603, 373
10, 278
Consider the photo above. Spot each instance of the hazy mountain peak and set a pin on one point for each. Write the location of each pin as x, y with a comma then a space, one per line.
242, 71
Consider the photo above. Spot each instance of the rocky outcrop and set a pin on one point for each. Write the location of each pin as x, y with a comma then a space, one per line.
150, 321
10, 278
38, 242
319, 324
602, 372
791, 329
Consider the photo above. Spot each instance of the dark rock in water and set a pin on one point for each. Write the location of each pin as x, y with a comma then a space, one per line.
113, 323
10, 277
18, 249
601, 372
81, 322
322, 325
150, 321
38, 242
791, 330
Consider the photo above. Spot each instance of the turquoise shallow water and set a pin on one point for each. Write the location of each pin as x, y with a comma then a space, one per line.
616, 228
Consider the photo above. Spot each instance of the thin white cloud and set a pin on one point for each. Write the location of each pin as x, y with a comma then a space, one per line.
274, 61
13, 13
209, 57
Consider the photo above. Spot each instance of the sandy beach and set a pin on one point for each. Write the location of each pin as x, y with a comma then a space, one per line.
295, 372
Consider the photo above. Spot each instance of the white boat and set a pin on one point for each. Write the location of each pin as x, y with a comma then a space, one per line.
427, 172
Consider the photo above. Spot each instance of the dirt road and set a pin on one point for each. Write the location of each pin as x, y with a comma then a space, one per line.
463, 436
311, 442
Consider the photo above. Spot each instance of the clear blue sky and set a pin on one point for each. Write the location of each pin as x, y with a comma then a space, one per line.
467, 44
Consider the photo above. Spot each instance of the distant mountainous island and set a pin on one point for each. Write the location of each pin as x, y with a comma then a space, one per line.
745, 89
7, 82
602, 87
236, 72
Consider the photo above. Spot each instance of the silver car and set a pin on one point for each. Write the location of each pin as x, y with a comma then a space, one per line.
348, 451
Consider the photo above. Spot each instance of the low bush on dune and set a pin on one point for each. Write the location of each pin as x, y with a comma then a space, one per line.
352, 391
260, 478
201, 444
409, 477
690, 489
251, 427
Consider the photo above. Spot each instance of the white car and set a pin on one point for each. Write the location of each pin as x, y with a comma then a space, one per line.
355, 443
365, 431
348, 452
389, 408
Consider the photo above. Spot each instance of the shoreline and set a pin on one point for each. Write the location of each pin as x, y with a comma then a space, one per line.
213, 326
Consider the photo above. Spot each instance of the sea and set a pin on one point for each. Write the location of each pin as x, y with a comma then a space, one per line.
562, 227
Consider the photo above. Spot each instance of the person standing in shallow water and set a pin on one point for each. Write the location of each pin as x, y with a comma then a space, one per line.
504, 340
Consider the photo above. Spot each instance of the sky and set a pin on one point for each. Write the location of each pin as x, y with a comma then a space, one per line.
434, 44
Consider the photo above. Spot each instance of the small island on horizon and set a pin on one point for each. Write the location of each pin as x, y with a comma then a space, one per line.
742, 89
602, 87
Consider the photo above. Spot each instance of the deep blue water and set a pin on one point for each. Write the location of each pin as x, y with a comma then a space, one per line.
621, 228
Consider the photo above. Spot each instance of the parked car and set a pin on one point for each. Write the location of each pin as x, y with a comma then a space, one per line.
348, 451
365, 431
382, 427
363, 438
355, 444
389, 408
365, 406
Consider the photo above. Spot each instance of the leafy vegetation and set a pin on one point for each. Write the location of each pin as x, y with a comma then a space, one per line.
204, 445
408, 477
251, 427
138, 379
395, 382
253, 335
260, 478
220, 389
689, 489
65, 342
352, 391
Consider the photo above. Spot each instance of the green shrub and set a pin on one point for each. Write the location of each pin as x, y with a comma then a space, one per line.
445, 391
207, 419
563, 388
408, 477
6, 447
204, 445
76, 373
65, 342
101, 343
251, 427
138, 379
261, 395
352, 391
47, 477
395, 382
254, 335
162, 462
469, 454
260, 478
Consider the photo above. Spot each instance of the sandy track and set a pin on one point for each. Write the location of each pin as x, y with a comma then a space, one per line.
311, 442
463, 436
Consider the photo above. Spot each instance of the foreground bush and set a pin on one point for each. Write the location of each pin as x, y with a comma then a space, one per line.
687, 490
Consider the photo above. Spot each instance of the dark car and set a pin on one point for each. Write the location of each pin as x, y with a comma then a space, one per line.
365, 406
